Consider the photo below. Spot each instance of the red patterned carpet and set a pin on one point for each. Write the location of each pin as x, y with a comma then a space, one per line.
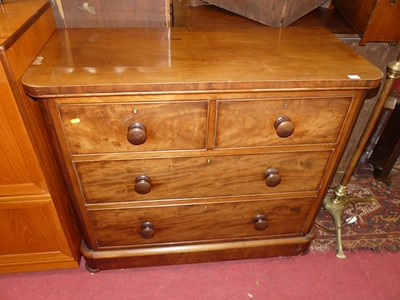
378, 222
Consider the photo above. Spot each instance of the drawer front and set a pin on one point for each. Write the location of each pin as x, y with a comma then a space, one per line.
256, 123
193, 177
199, 222
103, 128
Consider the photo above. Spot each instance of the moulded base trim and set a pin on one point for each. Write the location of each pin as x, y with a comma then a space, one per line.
183, 254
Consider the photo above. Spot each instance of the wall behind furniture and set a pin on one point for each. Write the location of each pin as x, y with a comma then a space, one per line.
112, 13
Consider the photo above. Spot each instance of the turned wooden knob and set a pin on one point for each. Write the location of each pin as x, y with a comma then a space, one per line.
137, 133
272, 177
284, 126
148, 230
142, 184
260, 222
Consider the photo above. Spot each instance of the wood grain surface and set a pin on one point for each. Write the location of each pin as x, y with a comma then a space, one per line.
96, 128
90, 61
199, 222
251, 123
228, 175
210, 98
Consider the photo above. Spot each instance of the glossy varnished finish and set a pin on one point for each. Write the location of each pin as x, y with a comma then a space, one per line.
195, 177
183, 125
166, 60
168, 126
36, 221
176, 158
17, 16
199, 222
312, 119
194, 253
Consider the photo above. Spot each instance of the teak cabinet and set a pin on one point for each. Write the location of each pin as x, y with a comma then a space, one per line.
36, 220
177, 158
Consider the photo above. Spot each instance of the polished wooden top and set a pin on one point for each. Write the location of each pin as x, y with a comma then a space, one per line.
15, 16
123, 61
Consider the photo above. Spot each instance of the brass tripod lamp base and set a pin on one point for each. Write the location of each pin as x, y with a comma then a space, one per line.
338, 202
336, 205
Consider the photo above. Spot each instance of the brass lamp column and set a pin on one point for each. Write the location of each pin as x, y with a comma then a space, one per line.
336, 204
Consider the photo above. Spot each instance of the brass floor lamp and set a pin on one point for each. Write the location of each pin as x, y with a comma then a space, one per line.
336, 204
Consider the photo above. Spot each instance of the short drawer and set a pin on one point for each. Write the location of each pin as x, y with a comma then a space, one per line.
196, 177
105, 128
199, 222
274, 122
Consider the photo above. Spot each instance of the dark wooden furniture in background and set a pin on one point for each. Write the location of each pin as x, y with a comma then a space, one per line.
387, 150
274, 13
374, 20
177, 158
37, 229
384, 117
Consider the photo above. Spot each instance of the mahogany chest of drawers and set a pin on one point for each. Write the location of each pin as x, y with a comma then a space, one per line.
185, 145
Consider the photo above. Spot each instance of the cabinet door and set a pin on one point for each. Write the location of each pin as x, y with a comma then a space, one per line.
32, 237
19, 173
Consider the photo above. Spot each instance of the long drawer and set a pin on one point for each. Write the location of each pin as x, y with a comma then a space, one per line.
131, 227
194, 177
